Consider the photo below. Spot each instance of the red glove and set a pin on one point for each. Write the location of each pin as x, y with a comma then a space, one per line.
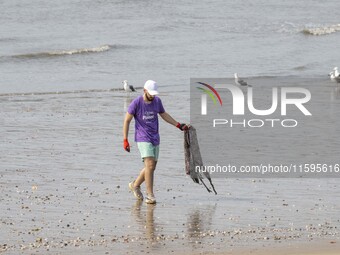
182, 126
126, 145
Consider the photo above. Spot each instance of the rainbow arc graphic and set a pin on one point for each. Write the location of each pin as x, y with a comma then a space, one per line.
211, 92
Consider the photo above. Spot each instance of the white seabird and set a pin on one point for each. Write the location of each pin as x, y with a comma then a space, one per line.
239, 81
335, 75
127, 87
336, 72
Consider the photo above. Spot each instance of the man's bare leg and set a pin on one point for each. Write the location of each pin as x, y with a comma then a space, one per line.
141, 178
149, 169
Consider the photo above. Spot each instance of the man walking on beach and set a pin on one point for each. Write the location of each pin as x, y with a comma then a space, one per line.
145, 110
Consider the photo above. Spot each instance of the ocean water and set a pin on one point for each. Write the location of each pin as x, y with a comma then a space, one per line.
48, 46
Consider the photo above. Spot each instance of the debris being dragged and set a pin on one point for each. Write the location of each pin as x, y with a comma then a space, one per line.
193, 158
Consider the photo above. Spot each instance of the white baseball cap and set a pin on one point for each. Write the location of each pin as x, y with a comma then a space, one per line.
151, 87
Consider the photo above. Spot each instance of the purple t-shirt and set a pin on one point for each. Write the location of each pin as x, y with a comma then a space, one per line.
146, 119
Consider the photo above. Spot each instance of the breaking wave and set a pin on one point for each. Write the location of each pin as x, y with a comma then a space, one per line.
326, 30
64, 52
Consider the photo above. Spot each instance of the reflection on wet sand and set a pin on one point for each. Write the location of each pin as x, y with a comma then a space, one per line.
127, 102
146, 221
150, 223
199, 223
336, 93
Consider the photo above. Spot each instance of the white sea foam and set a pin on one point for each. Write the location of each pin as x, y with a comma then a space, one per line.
79, 51
322, 30
65, 52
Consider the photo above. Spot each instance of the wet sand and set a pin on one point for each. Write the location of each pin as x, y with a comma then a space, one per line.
63, 186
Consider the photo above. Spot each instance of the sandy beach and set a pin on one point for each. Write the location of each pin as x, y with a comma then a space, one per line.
64, 189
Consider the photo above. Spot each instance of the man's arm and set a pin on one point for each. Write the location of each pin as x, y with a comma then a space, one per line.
166, 116
127, 120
